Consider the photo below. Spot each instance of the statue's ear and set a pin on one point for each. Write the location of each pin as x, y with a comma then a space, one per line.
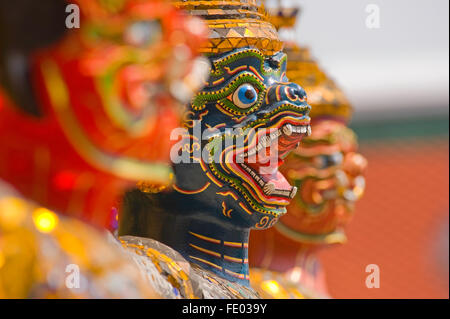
274, 62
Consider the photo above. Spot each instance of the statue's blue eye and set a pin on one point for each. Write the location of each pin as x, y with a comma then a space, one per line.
245, 96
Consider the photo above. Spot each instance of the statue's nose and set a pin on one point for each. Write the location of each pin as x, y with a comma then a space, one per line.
286, 92
355, 164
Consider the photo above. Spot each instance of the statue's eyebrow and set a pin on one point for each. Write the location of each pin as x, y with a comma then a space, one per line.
256, 73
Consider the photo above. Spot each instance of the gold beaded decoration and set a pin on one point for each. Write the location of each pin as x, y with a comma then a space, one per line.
234, 24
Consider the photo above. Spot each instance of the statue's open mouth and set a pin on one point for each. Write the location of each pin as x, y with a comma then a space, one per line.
253, 168
262, 168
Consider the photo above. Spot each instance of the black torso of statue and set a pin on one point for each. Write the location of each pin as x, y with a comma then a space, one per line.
194, 237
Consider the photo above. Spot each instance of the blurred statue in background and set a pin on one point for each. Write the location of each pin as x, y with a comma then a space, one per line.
85, 114
91, 113
194, 237
328, 174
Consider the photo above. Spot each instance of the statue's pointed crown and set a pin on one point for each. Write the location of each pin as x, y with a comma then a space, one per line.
234, 24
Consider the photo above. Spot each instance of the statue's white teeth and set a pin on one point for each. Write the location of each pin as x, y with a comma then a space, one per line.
276, 134
251, 152
293, 192
287, 129
267, 140
269, 188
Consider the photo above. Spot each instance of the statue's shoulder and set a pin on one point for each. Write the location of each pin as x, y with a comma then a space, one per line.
164, 268
46, 255
172, 276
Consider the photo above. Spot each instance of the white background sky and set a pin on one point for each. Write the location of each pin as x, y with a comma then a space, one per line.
399, 69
